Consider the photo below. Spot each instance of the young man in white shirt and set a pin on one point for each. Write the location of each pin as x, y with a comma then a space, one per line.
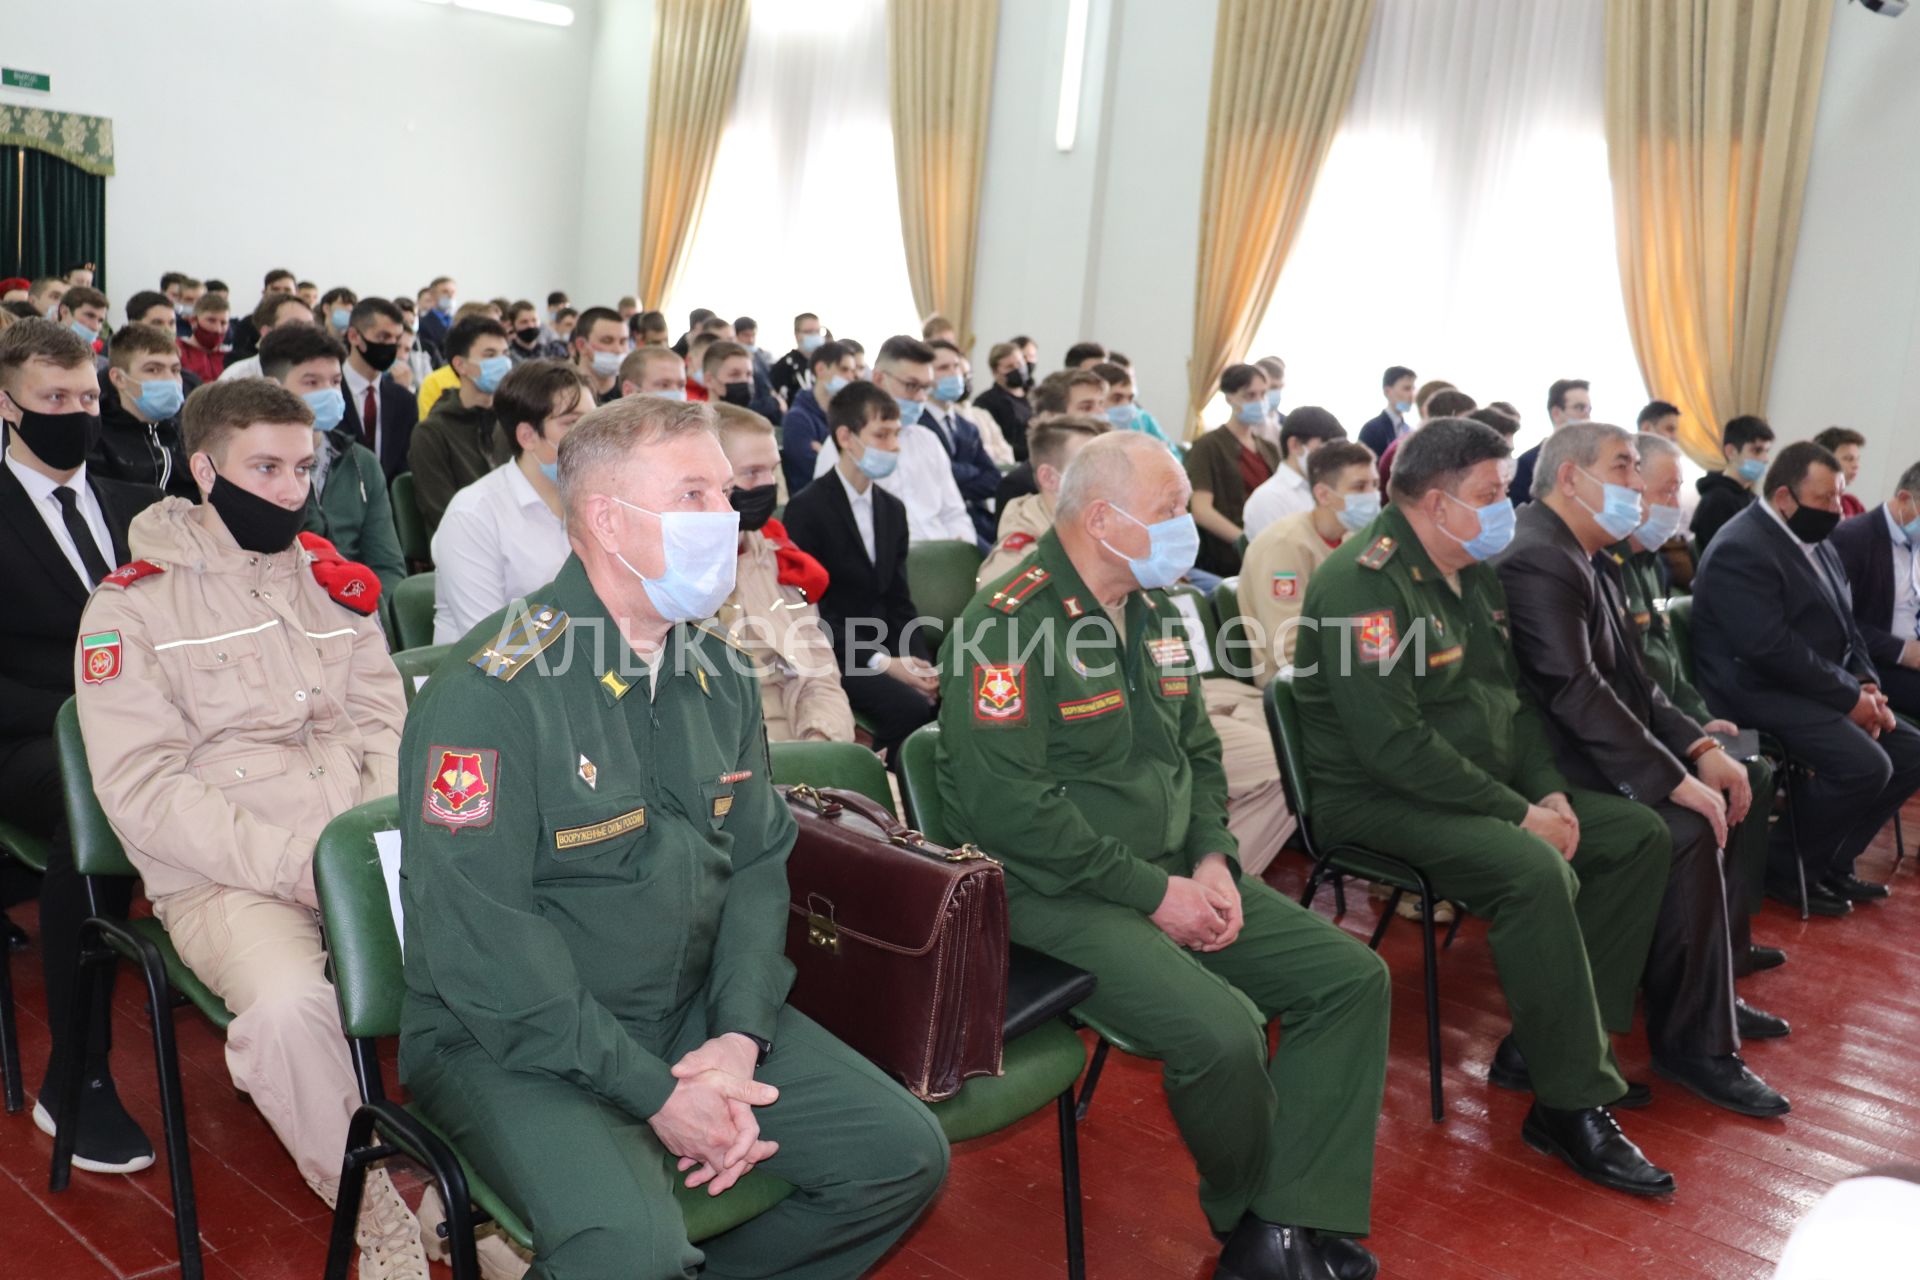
505, 534
1287, 492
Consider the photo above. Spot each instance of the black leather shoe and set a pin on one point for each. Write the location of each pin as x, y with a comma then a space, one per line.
1761, 958
1821, 901
1725, 1081
108, 1141
1260, 1250
1758, 1024
1509, 1070
1854, 889
1347, 1258
1590, 1142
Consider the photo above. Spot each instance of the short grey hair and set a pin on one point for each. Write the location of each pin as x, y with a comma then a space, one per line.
1103, 469
607, 437
1909, 480
1440, 452
1652, 444
1576, 442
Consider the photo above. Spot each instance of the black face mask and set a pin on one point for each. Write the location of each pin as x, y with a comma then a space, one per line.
755, 505
379, 355
740, 393
1016, 379
527, 337
258, 525
61, 440
1812, 525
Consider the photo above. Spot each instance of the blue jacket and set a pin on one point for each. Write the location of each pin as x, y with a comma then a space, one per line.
1379, 432
803, 426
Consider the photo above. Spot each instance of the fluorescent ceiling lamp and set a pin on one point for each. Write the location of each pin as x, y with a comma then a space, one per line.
1073, 64
547, 11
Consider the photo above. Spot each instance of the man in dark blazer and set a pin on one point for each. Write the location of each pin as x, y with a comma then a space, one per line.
61, 532
858, 531
1877, 551
373, 343
1776, 647
1612, 729
1397, 386
1568, 400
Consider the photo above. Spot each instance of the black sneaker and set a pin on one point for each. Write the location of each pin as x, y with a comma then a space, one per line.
108, 1141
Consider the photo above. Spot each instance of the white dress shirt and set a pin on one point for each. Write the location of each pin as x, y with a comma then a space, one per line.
1906, 592
40, 489
1283, 494
248, 368
862, 504
497, 541
924, 481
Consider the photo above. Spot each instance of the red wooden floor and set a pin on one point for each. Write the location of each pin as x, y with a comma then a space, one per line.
1463, 1199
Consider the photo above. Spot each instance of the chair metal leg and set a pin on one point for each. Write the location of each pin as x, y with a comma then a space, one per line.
1092, 1079
1313, 884
1433, 1001
346, 1201
1070, 1185
1899, 844
9, 1035
404, 1136
1339, 896
1386, 918
1459, 914
173, 1107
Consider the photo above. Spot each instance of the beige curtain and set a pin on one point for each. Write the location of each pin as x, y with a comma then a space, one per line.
1283, 74
940, 72
1710, 107
697, 49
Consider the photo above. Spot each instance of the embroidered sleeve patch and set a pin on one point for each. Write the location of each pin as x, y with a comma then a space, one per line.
1173, 686
1099, 704
128, 574
1000, 695
1286, 586
460, 787
99, 657
1377, 635
1016, 542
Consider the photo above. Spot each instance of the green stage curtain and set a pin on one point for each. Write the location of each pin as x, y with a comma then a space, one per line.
55, 214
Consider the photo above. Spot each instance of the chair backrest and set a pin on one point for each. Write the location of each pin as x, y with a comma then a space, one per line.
413, 612
846, 765
96, 849
920, 786
358, 916
415, 665
940, 578
1680, 618
1201, 625
1233, 642
1289, 748
415, 546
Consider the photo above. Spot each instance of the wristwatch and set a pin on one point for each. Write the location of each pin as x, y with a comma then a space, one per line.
764, 1046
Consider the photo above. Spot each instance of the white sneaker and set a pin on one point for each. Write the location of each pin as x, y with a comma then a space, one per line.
388, 1234
499, 1257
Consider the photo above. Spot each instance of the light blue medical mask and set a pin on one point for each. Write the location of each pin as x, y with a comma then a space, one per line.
1403, 407
1496, 528
1172, 547
1360, 510
607, 363
492, 369
701, 550
946, 390
810, 342
1619, 513
329, 405
875, 463
340, 316
910, 411
835, 385
551, 470
159, 400
1122, 416
1662, 523
1252, 413
88, 336
671, 393
1751, 470
1273, 399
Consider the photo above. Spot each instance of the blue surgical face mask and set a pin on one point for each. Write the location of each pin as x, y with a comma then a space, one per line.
1172, 547
1360, 510
329, 405
551, 470
1273, 398
444, 306
910, 411
1619, 513
340, 316
701, 550
1122, 416
159, 400
1496, 528
1403, 407
946, 390
671, 393
835, 385
1912, 530
810, 342
1751, 470
88, 336
607, 363
492, 369
876, 463
1662, 523
1252, 413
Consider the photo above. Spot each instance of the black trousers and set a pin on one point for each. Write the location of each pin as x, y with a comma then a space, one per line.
1859, 782
1689, 978
891, 707
30, 781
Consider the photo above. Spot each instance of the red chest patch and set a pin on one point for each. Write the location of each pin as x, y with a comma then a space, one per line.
128, 574
460, 788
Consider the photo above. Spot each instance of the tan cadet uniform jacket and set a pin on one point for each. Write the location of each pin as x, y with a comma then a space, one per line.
1273, 582
1023, 523
800, 691
230, 708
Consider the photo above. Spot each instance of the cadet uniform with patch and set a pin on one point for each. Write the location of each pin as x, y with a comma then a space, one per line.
594, 883
1085, 761
1419, 744
1273, 585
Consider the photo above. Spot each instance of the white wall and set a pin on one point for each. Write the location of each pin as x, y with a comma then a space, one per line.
372, 143
1850, 342
604, 262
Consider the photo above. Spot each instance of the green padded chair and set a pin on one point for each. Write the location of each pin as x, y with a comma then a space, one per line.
1283, 722
368, 980
412, 605
28, 850
940, 579
415, 665
1232, 643
846, 765
416, 548
104, 940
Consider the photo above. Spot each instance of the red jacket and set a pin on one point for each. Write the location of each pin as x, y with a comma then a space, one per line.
201, 363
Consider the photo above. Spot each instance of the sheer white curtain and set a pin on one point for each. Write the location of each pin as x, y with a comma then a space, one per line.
1463, 222
803, 213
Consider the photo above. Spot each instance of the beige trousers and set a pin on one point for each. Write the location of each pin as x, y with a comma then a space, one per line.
285, 1048
1256, 802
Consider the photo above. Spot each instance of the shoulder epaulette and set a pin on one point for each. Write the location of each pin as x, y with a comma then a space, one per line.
721, 636
526, 636
1018, 588
1377, 555
128, 574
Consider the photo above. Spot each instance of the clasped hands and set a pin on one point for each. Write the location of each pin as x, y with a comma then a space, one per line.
708, 1119
1201, 912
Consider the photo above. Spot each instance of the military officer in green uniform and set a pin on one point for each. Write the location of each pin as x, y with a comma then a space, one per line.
1419, 744
595, 904
1075, 746
1639, 559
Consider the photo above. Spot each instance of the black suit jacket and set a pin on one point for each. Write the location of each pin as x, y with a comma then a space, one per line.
1611, 726
819, 519
1378, 433
1520, 488
1774, 640
1865, 547
399, 414
44, 599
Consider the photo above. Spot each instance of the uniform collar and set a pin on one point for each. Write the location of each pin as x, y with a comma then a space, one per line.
1407, 548
616, 668
1076, 599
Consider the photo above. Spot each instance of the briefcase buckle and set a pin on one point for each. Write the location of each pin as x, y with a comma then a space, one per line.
822, 930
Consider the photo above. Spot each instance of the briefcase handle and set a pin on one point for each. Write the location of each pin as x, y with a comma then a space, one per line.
831, 803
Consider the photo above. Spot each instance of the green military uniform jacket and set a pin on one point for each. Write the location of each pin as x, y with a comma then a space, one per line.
594, 881
1410, 691
1085, 763
1640, 575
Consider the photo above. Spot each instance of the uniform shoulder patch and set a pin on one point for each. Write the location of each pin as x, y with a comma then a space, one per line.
1019, 589
526, 637
460, 787
1000, 695
99, 657
128, 574
1017, 542
1378, 552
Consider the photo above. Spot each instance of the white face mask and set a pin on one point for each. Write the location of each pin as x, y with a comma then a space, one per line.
702, 549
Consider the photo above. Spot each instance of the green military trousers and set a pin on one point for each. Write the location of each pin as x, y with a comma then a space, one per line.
1569, 939
596, 1187
1290, 1139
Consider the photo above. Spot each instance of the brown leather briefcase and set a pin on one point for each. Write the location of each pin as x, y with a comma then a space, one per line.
900, 945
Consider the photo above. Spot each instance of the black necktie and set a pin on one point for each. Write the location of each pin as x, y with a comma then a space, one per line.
939, 426
82, 536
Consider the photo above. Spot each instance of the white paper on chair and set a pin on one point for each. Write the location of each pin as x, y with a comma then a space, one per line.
419, 683
388, 843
